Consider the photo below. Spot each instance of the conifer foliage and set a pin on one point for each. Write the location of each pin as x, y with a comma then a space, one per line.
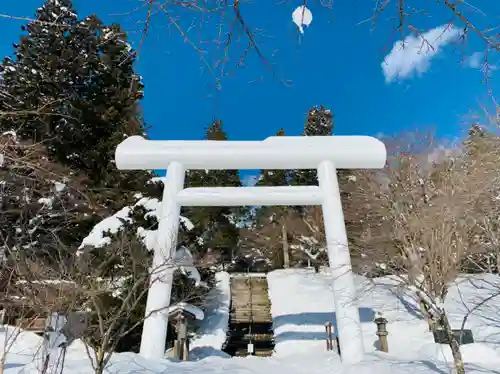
272, 178
72, 86
215, 227
319, 122
70, 93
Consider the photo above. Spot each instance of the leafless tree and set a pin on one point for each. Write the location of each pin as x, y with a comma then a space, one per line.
419, 213
107, 292
29, 295
222, 28
14, 305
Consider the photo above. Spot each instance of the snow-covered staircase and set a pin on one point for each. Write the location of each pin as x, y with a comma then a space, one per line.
250, 322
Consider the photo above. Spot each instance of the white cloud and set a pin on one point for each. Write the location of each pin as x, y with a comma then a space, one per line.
413, 56
477, 60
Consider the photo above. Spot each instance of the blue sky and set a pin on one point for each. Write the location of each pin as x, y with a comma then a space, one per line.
336, 63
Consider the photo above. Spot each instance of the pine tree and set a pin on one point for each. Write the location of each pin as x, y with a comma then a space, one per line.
274, 177
216, 226
72, 86
31, 81
319, 123
72, 95
45, 211
43, 200
275, 216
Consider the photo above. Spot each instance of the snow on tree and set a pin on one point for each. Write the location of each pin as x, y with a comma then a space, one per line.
41, 201
74, 99
143, 216
73, 87
39, 59
302, 16
422, 215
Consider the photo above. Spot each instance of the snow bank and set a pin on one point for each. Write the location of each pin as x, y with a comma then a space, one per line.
212, 332
20, 346
129, 363
302, 302
200, 353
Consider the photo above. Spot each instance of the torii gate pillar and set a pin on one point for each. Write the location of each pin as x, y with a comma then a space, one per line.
324, 153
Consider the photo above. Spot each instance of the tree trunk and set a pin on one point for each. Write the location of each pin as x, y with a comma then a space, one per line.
99, 365
286, 252
99, 368
2, 362
454, 345
427, 316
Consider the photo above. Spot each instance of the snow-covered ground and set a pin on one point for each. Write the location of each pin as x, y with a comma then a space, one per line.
301, 304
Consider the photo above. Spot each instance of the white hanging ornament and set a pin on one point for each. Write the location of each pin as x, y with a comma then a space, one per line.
302, 16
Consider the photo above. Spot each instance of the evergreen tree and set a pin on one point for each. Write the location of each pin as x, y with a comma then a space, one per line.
43, 200
319, 123
72, 86
275, 216
45, 211
274, 177
72, 93
31, 81
216, 226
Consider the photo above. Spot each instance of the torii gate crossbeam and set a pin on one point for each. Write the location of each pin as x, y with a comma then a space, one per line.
323, 153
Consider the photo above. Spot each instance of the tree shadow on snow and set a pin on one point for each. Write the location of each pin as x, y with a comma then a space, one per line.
406, 301
433, 367
317, 319
443, 368
13, 366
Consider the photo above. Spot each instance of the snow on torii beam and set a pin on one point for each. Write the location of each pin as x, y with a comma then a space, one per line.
324, 153
276, 152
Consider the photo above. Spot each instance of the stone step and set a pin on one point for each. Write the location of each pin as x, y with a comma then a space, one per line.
250, 306
255, 313
240, 314
257, 337
258, 353
253, 320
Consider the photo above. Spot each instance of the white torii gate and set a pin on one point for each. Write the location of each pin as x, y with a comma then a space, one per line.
324, 153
